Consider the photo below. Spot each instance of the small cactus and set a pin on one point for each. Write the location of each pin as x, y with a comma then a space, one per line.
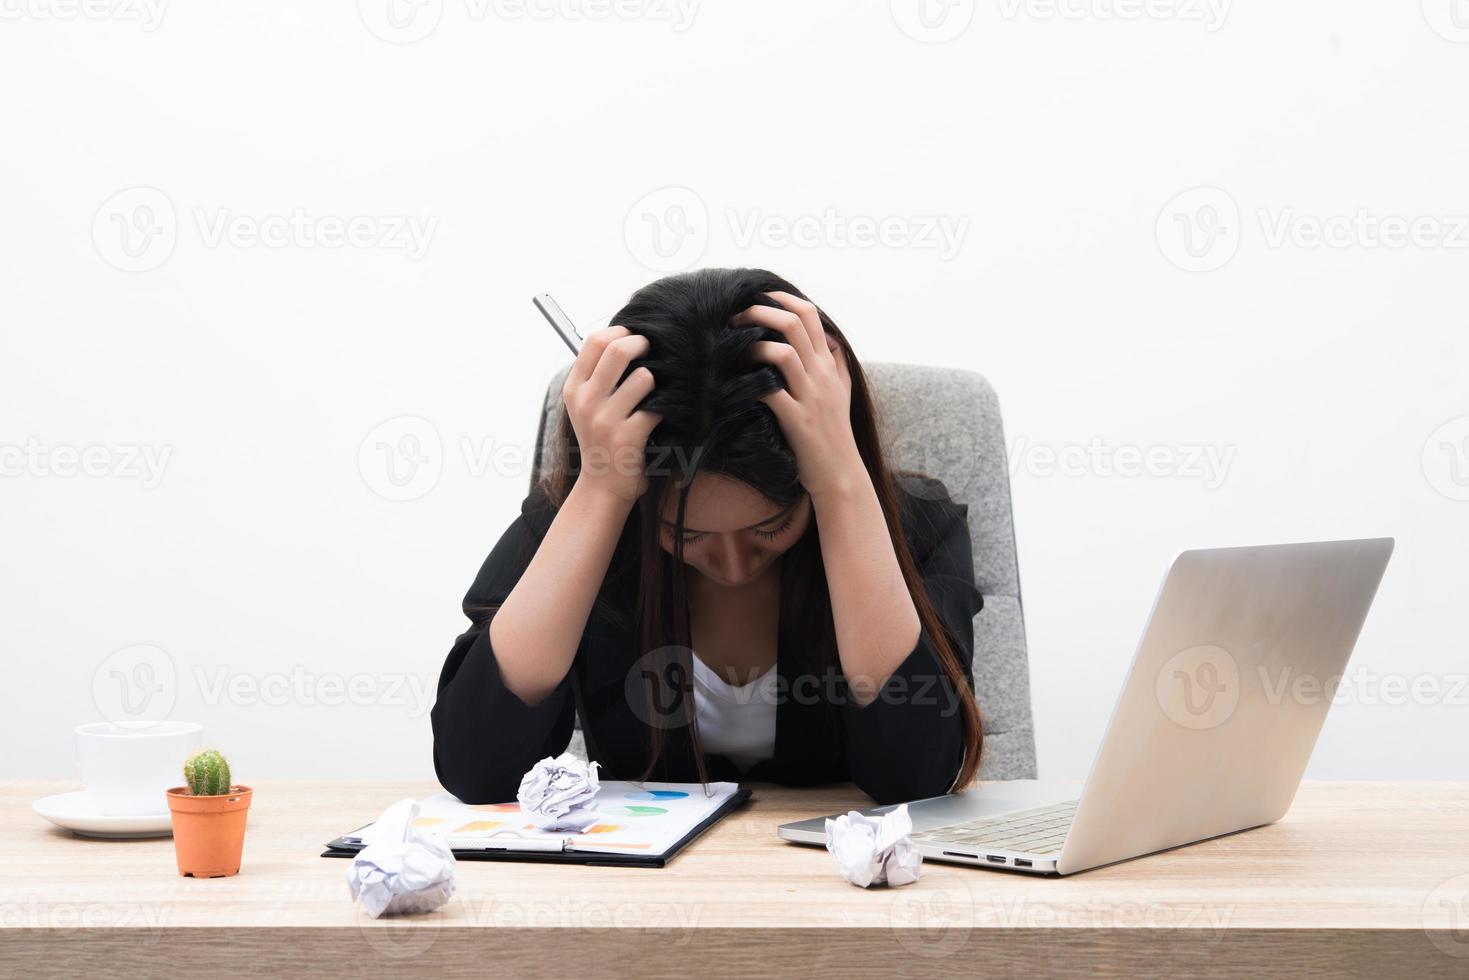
207, 773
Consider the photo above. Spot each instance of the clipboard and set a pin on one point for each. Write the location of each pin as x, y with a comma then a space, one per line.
345, 846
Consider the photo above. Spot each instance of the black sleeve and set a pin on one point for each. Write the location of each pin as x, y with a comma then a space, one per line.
908, 743
485, 737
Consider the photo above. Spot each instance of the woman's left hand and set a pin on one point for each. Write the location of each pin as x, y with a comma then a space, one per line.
814, 410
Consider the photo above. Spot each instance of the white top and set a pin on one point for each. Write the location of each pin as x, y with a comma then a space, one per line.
737, 722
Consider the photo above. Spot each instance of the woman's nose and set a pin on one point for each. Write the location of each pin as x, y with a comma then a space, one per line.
734, 560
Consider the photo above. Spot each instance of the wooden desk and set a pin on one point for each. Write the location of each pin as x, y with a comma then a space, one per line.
1359, 878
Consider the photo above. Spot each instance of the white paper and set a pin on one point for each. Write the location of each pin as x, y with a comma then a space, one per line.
401, 869
872, 851
635, 818
560, 794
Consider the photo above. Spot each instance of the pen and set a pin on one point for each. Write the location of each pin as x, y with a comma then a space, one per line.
506, 840
559, 321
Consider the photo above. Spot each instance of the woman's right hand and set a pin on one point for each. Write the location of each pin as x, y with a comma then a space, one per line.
610, 435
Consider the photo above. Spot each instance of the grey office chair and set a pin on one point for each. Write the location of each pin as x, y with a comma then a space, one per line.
946, 423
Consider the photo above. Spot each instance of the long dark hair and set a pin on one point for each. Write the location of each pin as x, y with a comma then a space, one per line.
707, 388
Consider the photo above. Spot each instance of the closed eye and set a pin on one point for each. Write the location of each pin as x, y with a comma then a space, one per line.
770, 535
777, 532
690, 537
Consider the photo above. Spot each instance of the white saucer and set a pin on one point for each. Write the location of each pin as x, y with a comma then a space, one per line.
78, 813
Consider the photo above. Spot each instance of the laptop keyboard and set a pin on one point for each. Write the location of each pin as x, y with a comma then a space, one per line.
1038, 831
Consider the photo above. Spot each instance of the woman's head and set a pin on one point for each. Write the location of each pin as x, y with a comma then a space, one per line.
722, 478
723, 491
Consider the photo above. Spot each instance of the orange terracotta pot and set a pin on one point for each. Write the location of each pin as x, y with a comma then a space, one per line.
209, 831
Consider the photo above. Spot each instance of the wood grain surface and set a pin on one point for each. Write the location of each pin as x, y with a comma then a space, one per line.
1359, 878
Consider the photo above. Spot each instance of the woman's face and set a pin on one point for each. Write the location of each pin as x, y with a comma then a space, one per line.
732, 533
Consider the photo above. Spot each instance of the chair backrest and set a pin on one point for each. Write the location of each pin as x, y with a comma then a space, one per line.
945, 422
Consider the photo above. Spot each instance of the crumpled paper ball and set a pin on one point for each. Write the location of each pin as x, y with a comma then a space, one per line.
557, 794
402, 869
872, 851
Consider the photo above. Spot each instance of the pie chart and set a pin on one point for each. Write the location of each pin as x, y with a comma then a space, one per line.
654, 795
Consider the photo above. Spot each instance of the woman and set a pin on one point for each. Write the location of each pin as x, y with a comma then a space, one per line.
718, 573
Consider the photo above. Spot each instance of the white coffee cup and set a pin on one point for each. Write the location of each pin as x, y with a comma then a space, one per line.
128, 767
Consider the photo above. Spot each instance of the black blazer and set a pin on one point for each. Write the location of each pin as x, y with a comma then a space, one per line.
907, 744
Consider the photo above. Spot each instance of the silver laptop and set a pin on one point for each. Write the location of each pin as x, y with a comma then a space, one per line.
1211, 734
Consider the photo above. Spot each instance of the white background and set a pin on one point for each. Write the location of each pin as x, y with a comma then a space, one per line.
303, 616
